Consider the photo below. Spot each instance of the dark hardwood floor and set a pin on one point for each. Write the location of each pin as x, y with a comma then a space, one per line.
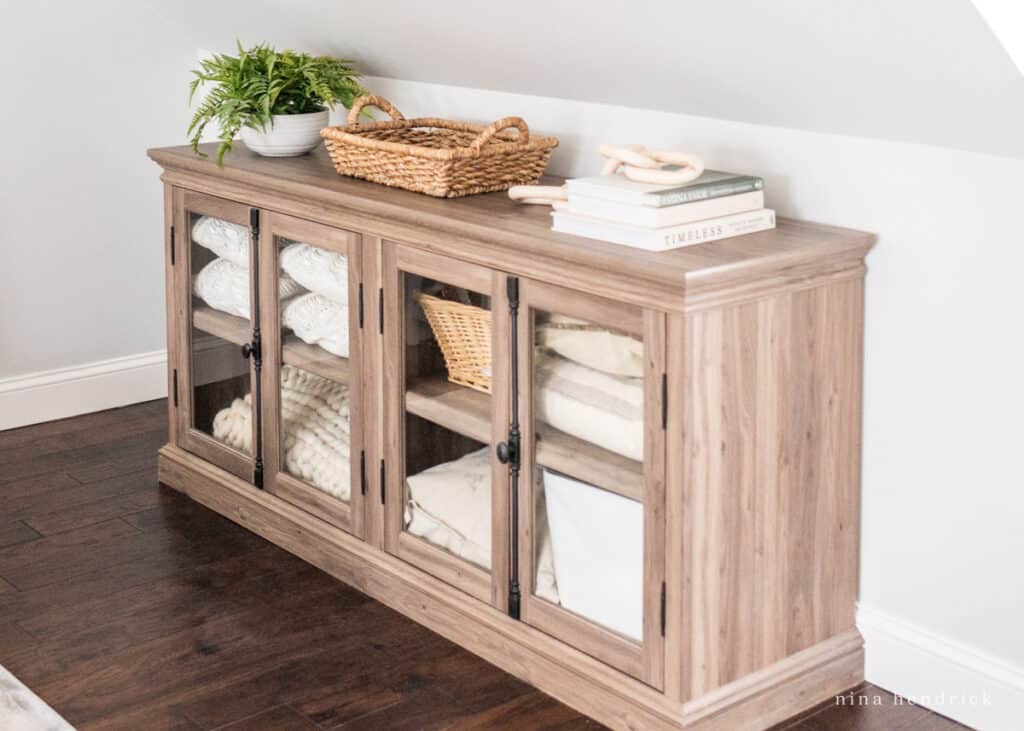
127, 606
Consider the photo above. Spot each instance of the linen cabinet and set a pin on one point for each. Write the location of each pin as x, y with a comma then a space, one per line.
630, 479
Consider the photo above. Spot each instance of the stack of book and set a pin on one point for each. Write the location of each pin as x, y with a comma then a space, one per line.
715, 206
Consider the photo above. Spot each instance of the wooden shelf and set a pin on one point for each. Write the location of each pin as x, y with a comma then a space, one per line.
294, 351
237, 330
468, 412
313, 358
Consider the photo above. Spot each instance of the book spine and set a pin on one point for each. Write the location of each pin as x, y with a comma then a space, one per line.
705, 231
704, 192
650, 217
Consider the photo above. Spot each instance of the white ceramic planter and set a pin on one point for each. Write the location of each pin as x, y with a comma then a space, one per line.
290, 135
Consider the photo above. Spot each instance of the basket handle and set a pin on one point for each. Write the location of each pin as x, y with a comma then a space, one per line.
373, 101
495, 127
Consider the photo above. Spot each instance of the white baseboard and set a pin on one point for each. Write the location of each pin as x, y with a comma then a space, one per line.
37, 397
945, 676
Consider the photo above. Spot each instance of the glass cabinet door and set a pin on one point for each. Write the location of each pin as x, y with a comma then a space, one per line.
313, 441
446, 406
591, 494
216, 292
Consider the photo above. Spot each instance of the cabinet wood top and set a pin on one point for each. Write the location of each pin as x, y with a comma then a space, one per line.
494, 230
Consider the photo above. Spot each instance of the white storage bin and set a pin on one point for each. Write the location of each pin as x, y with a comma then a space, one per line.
597, 538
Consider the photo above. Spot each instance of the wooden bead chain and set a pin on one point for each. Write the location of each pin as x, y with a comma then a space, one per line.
660, 167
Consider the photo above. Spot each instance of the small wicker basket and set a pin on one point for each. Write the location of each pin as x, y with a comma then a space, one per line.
439, 157
464, 334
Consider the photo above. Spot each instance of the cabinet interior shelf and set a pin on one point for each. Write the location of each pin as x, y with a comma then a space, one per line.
468, 412
294, 351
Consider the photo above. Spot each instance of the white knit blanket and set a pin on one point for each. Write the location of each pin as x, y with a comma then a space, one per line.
314, 430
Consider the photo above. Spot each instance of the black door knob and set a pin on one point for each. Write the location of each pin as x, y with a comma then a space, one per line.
504, 453
247, 350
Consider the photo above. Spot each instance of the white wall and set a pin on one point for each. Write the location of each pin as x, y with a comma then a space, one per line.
81, 227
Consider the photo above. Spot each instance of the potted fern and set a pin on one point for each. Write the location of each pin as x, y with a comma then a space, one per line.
277, 100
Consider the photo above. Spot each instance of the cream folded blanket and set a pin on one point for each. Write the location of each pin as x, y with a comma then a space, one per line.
449, 505
597, 407
314, 429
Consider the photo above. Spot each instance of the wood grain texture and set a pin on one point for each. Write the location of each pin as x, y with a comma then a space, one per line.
750, 485
280, 348
641, 659
194, 623
399, 261
771, 483
493, 231
185, 203
569, 675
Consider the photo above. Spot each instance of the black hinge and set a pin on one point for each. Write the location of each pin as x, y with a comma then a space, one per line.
175, 387
254, 222
362, 472
383, 491
257, 474
663, 609
664, 401
172, 245
380, 310
360, 305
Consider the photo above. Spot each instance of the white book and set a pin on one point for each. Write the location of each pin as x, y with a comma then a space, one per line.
663, 239
710, 184
650, 217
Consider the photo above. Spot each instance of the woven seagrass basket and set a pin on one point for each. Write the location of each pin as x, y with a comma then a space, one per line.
439, 157
464, 334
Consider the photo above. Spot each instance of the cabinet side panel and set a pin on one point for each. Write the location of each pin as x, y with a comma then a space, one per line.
171, 313
771, 478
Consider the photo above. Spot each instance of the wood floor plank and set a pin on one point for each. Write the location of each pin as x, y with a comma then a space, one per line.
531, 710
16, 532
281, 718
48, 560
35, 486
324, 687
155, 717
140, 609
28, 506
82, 457
868, 709
14, 639
116, 506
155, 410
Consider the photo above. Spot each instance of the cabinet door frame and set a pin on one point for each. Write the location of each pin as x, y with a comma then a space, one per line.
490, 587
203, 445
351, 516
644, 660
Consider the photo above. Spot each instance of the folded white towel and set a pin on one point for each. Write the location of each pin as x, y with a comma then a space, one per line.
318, 270
319, 321
224, 286
227, 240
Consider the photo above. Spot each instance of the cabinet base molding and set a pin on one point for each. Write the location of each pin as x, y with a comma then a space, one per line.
756, 701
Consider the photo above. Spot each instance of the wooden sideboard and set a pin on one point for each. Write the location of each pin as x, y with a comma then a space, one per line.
679, 550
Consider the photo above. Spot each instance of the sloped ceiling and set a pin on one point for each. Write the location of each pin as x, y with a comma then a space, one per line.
923, 71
